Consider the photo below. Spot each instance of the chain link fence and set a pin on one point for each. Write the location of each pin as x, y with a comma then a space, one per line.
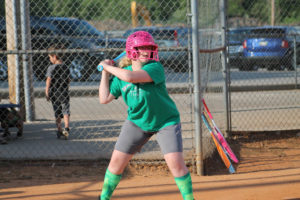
262, 94
89, 31
263, 60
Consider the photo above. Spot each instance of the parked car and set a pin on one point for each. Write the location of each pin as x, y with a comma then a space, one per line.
270, 47
236, 37
3, 70
74, 34
3, 65
168, 39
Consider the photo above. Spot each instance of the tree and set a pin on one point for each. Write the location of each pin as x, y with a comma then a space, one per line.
66, 8
39, 8
2, 8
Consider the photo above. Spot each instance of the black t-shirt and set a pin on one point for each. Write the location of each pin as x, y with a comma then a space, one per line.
60, 78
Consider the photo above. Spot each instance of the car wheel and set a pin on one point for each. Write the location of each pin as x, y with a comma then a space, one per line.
248, 68
77, 70
245, 66
242, 67
279, 67
254, 68
270, 67
290, 66
3, 71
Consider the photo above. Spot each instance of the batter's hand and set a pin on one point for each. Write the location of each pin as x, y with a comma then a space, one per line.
106, 62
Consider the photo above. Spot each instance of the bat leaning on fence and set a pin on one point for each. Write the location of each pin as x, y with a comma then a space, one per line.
100, 67
219, 147
220, 136
214, 131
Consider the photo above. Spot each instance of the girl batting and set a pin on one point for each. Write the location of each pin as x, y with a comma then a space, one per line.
151, 111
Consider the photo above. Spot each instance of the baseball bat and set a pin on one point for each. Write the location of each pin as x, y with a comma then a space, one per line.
121, 55
220, 136
220, 149
214, 131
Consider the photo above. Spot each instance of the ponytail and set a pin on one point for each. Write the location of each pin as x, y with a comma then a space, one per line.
124, 62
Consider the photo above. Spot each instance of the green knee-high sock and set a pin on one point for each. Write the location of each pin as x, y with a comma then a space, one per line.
184, 184
110, 183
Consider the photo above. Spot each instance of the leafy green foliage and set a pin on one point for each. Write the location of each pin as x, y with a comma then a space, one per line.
2, 7
162, 11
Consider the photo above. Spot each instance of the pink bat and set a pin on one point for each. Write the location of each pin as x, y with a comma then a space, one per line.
220, 136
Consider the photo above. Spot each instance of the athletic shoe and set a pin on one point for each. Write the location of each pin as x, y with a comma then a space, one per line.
58, 134
66, 133
19, 135
6, 135
3, 141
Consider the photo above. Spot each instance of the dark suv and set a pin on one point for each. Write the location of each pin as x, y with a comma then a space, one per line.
74, 34
271, 47
169, 39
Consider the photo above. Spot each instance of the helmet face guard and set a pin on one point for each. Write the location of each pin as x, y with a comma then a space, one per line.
152, 54
139, 39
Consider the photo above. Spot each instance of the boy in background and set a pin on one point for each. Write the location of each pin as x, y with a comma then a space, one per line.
57, 90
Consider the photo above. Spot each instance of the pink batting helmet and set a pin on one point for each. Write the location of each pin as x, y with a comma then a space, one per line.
138, 39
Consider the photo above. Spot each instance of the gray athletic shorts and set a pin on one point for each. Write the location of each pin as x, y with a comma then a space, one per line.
132, 138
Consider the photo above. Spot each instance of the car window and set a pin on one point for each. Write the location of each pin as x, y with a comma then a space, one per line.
292, 31
165, 38
41, 31
238, 35
77, 28
165, 34
267, 33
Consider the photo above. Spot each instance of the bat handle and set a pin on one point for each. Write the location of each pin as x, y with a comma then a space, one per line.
100, 68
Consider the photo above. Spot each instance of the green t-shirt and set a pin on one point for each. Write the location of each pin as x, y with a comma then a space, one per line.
149, 104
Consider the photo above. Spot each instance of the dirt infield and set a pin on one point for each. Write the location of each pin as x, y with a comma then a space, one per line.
269, 169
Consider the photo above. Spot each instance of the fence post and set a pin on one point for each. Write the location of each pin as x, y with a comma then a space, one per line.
226, 71
27, 67
197, 86
295, 62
